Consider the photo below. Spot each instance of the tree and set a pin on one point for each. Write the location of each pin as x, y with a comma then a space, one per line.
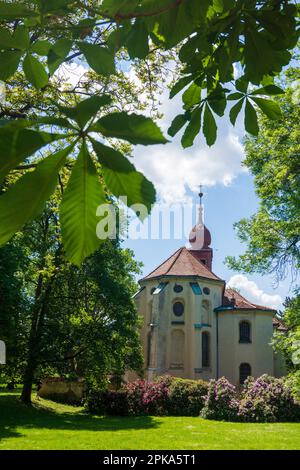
288, 343
210, 36
13, 308
272, 234
58, 318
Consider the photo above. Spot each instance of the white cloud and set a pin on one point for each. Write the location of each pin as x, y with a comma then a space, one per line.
173, 169
255, 294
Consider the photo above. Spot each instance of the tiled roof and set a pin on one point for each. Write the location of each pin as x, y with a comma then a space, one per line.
279, 325
183, 262
233, 299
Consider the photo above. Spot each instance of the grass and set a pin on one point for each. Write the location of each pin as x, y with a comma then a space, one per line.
48, 425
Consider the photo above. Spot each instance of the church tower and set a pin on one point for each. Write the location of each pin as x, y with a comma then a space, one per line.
200, 239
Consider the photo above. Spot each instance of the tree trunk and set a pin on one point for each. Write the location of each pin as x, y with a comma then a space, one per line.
28, 382
36, 332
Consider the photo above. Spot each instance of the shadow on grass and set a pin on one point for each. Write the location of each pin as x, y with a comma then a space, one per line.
13, 415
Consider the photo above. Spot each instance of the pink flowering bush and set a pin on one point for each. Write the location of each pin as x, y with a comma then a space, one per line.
221, 401
147, 397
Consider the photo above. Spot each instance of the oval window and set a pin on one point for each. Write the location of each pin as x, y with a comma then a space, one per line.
178, 288
178, 309
206, 290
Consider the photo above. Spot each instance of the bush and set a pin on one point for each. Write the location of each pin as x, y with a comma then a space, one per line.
109, 402
293, 382
186, 397
267, 399
221, 401
165, 396
147, 398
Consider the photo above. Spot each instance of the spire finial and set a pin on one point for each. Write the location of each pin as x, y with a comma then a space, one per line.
200, 194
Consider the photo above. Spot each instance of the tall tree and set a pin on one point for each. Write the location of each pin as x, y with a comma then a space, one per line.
14, 307
64, 319
272, 235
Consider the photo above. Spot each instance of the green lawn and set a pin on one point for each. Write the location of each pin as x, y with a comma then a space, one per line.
51, 426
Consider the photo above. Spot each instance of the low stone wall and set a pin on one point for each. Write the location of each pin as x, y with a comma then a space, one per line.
61, 390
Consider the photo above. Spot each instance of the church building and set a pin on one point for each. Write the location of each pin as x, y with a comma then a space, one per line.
195, 327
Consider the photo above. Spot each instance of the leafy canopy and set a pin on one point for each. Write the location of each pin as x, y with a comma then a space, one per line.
210, 37
272, 235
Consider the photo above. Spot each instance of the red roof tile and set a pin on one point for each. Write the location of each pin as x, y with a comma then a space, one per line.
183, 262
279, 325
232, 298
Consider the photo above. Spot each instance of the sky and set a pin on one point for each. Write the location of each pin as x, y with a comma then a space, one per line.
229, 195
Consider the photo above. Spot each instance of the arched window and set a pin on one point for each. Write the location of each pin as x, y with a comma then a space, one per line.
245, 371
245, 332
205, 349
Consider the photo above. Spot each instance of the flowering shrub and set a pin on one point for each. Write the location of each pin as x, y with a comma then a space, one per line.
221, 401
267, 399
147, 397
166, 395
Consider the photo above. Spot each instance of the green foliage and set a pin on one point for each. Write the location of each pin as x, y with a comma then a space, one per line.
80, 200
186, 397
26, 198
272, 234
287, 342
98, 58
84, 192
207, 38
86, 325
35, 72
9, 61
18, 144
121, 176
209, 126
131, 127
57, 53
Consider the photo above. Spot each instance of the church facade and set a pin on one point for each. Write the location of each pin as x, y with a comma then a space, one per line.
195, 327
